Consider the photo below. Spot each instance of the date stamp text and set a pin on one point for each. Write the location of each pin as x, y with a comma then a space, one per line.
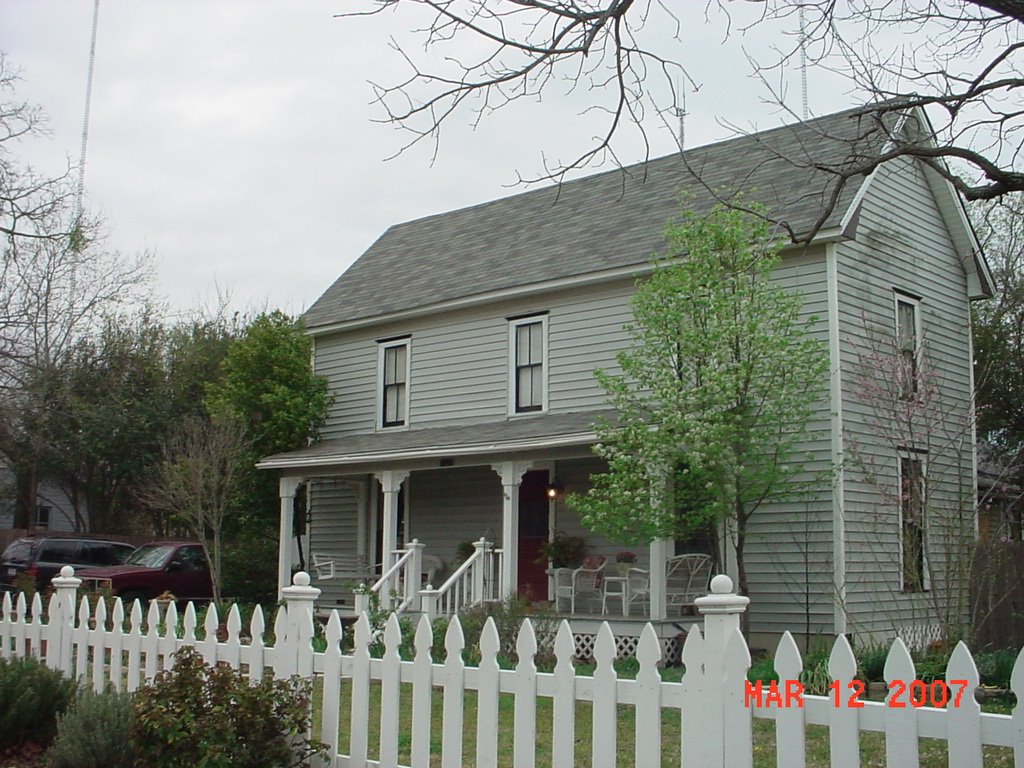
902, 694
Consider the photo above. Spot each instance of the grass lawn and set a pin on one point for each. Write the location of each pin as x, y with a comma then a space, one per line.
872, 745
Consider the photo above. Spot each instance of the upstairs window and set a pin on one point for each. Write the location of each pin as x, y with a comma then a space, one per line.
528, 364
912, 524
908, 344
393, 369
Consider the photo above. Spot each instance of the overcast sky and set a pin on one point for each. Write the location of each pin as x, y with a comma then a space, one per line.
237, 141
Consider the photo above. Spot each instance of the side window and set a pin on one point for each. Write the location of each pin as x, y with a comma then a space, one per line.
94, 553
58, 551
913, 528
42, 516
908, 343
393, 382
528, 346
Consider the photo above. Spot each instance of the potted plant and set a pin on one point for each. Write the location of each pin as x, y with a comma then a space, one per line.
562, 551
625, 561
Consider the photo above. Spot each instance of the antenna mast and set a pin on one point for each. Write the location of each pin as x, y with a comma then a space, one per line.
803, 59
681, 115
88, 106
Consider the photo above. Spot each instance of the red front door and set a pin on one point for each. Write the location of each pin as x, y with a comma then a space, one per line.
533, 533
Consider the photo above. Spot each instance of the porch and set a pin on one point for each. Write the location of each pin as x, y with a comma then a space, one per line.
388, 502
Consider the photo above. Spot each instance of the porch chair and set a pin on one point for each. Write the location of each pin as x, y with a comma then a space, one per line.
580, 583
323, 565
638, 587
686, 579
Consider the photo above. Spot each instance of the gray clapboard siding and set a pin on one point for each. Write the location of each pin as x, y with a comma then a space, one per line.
901, 244
449, 506
333, 528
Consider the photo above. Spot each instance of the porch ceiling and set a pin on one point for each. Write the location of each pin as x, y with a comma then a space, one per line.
510, 437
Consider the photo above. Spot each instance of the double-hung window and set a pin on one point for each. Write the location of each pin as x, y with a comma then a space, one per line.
908, 344
393, 378
913, 558
528, 344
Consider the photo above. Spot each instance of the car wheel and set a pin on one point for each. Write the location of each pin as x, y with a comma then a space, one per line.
127, 598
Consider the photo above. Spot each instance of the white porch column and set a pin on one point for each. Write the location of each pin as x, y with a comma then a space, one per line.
659, 550
287, 487
391, 483
511, 473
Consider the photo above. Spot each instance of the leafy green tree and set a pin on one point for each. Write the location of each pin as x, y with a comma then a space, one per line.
999, 327
715, 393
267, 383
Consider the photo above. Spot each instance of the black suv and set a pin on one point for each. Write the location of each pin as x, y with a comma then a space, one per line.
42, 558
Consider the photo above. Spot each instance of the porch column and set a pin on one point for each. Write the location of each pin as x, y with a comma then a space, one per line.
659, 550
391, 483
511, 473
287, 487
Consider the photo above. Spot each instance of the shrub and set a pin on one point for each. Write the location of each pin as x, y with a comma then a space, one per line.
871, 661
95, 733
250, 569
197, 716
31, 697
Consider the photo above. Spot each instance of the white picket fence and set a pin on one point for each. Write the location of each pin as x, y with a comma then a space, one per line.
391, 697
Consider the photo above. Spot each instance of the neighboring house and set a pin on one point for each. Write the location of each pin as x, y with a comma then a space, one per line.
54, 509
460, 349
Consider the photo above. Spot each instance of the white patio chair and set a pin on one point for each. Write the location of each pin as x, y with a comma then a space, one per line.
580, 583
686, 579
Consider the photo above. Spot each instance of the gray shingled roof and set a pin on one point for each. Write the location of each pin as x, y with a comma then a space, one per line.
474, 439
610, 220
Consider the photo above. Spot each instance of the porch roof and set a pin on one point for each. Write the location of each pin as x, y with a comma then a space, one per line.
517, 436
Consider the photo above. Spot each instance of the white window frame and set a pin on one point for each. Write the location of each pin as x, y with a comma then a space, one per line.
382, 347
514, 324
908, 389
922, 459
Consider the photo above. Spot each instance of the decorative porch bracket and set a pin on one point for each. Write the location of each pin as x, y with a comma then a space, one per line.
511, 474
287, 488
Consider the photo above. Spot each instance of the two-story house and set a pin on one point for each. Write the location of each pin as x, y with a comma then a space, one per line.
461, 351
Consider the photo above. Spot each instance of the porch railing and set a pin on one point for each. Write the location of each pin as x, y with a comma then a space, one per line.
398, 587
475, 581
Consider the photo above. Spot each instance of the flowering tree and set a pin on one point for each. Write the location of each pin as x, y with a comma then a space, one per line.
715, 393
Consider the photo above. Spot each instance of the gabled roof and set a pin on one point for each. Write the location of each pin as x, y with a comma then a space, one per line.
600, 223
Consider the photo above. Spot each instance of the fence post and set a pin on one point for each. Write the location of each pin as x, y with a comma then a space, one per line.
721, 611
299, 599
65, 588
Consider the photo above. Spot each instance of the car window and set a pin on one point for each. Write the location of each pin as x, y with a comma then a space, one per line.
190, 559
19, 551
58, 551
101, 553
150, 555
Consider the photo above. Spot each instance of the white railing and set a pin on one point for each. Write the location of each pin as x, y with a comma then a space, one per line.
475, 581
398, 587
716, 703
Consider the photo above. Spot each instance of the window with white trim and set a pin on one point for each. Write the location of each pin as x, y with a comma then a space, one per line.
908, 343
528, 352
913, 528
393, 377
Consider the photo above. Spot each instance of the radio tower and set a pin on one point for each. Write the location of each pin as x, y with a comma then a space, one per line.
85, 119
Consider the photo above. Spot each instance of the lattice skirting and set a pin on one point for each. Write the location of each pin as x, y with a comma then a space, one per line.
625, 646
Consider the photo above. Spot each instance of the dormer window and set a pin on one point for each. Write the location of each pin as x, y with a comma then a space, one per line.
393, 375
528, 386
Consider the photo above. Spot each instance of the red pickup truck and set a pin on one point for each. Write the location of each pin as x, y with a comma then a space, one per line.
177, 567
